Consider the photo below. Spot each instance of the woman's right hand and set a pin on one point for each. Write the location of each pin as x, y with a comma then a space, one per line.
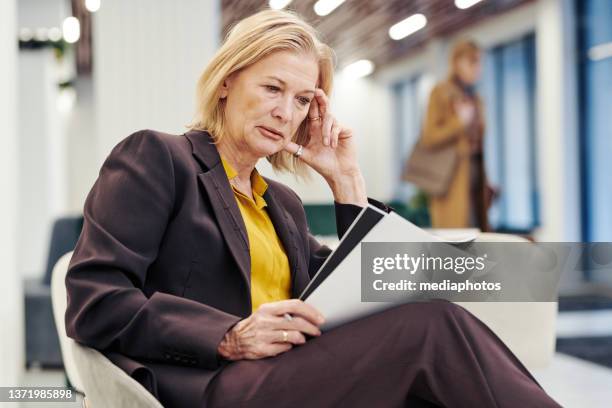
267, 332
466, 111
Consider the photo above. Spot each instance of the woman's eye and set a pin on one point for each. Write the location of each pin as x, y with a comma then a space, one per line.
272, 88
304, 101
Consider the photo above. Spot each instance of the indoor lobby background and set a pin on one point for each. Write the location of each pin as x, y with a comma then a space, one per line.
71, 88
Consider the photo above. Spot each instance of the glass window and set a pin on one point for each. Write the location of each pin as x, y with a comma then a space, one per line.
507, 90
595, 42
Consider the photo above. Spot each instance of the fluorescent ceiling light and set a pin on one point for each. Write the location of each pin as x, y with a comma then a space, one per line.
408, 26
92, 5
463, 4
324, 7
279, 4
600, 52
358, 69
71, 29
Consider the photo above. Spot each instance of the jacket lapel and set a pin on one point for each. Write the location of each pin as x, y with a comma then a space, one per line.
214, 180
288, 233
226, 210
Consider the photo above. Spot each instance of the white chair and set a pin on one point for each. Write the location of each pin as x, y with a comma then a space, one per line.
90, 372
527, 328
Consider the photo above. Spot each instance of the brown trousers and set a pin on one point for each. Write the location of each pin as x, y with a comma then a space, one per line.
424, 354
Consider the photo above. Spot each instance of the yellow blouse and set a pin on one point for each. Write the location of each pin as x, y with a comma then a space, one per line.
270, 274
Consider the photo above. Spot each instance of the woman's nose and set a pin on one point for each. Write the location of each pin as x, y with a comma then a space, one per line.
283, 110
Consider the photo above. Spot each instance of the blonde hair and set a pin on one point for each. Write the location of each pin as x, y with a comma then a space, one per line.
462, 48
249, 41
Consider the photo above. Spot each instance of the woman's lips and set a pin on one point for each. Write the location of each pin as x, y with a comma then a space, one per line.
270, 134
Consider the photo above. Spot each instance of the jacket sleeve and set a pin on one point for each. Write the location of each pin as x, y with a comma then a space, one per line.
125, 216
345, 215
441, 125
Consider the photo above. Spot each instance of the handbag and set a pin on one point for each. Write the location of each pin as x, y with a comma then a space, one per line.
431, 169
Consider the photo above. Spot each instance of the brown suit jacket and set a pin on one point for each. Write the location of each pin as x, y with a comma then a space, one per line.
162, 268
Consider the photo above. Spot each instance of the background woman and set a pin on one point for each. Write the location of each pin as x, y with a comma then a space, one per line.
455, 116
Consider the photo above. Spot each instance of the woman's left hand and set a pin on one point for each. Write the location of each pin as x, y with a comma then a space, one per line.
331, 152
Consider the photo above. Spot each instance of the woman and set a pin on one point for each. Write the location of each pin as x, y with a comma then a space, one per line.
188, 259
455, 115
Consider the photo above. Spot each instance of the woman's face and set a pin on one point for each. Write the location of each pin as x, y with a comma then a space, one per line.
267, 102
469, 69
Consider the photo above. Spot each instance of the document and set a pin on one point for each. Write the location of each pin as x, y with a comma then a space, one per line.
336, 288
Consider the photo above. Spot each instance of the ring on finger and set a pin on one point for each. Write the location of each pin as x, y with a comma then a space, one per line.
298, 152
314, 119
285, 336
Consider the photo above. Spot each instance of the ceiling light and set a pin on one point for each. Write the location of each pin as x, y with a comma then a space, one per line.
463, 4
324, 7
279, 4
358, 69
408, 26
71, 29
92, 5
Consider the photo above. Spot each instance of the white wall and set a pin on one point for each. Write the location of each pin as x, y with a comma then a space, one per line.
42, 13
81, 135
41, 155
148, 55
11, 292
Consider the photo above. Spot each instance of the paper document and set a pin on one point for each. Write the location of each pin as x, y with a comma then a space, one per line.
336, 288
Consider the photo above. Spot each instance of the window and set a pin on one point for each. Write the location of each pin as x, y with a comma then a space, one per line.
410, 97
595, 53
507, 89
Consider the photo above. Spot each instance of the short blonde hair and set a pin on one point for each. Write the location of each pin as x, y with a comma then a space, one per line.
249, 41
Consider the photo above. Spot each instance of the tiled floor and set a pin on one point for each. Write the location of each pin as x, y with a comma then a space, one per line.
575, 383
572, 382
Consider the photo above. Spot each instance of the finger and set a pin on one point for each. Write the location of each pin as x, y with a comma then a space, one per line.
322, 102
335, 133
294, 307
292, 147
313, 111
345, 133
303, 325
297, 324
293, 337
328, 122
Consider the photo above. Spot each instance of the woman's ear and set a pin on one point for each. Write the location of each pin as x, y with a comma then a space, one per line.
225, 86
224, 90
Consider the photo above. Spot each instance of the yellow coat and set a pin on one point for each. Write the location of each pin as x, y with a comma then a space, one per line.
441, 127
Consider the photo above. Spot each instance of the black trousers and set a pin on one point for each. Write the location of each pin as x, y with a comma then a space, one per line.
424, 354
